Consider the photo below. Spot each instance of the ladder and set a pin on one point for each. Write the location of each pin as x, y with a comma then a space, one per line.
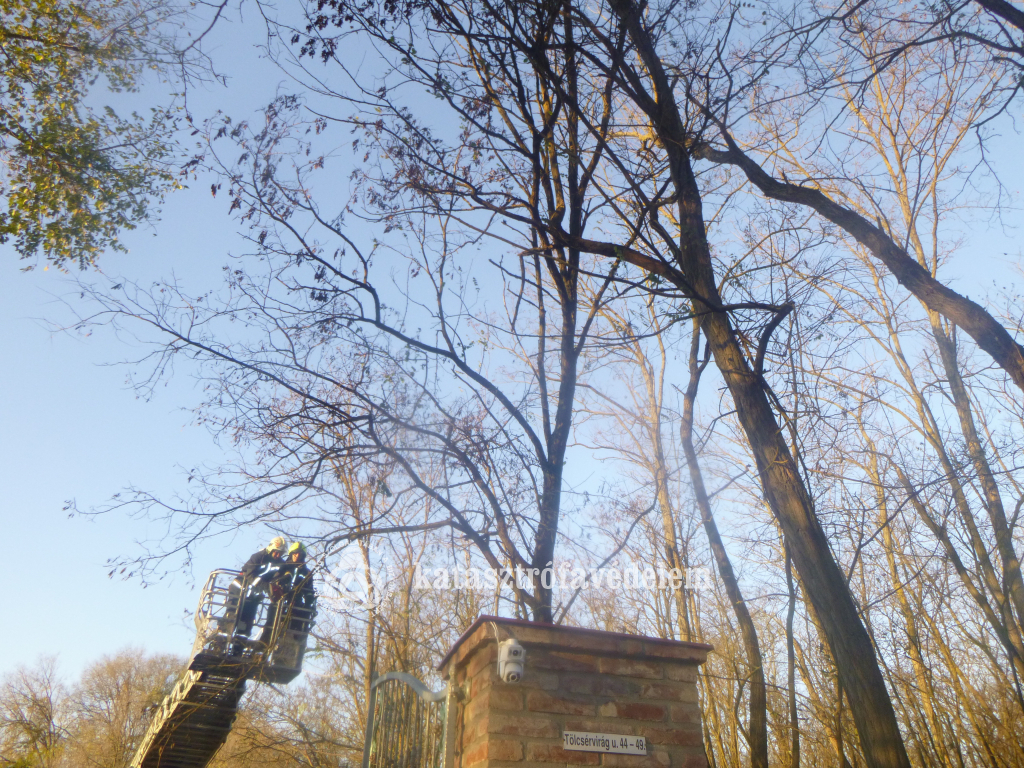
192, 722
195, 718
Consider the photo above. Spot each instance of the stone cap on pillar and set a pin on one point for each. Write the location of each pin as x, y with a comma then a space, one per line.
593, 642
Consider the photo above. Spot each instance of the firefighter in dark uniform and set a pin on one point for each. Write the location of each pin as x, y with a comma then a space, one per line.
301, 592
258, 573
291, 589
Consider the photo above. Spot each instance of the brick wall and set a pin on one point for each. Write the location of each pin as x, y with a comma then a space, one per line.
575, 680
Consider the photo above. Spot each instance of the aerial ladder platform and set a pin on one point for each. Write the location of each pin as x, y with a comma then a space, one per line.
195, 718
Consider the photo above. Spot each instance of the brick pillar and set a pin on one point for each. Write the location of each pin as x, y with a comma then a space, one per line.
575, 680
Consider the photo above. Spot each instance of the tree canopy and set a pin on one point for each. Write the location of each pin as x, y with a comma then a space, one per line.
76, 171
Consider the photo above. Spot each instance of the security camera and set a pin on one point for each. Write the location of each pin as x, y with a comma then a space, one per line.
511, 660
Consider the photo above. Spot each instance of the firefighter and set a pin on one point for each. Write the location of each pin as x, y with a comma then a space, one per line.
259, 571
292, 589
271, 555
301, 592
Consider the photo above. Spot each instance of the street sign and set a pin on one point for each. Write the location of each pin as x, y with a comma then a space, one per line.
580, 741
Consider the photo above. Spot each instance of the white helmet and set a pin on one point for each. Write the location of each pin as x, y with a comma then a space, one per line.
277, 544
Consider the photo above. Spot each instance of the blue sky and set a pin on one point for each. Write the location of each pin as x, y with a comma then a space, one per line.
72, 429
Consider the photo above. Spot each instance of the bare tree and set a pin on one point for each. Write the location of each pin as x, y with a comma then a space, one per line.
112, 703
850, 65
34, 715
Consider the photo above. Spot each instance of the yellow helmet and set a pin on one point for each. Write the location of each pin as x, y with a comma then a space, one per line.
297, 546
277, 544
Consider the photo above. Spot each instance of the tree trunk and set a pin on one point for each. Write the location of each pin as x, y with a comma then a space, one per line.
794, 713
757, 727
823, 581
987, 479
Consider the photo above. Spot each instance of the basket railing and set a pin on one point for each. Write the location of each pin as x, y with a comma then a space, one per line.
278, 657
